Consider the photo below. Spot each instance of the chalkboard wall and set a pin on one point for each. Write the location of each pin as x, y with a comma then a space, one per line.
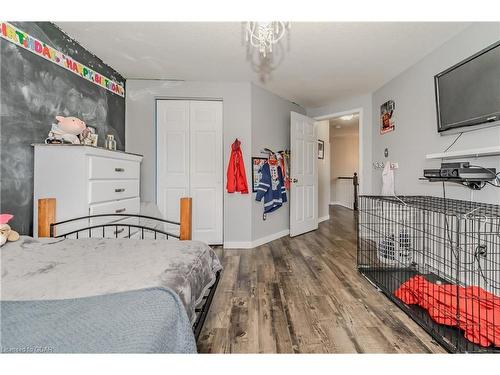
32, 92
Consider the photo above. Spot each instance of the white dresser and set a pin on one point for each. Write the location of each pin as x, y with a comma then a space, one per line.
85, 180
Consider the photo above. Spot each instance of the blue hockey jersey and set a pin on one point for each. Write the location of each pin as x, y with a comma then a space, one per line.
271, 187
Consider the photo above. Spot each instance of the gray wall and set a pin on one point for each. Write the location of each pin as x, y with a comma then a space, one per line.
141, 138
363, 102
271, 129
253, 115
34, 91
415, 115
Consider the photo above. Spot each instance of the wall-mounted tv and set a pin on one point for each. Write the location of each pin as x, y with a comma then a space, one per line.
468, 93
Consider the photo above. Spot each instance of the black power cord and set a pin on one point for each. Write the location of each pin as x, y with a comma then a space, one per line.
470, 185
455, 141
475, 264
495, 175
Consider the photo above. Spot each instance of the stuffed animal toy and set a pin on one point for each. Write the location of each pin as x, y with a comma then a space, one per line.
66, 130
6, 233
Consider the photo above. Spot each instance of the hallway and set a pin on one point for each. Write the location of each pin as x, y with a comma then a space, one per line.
304, 295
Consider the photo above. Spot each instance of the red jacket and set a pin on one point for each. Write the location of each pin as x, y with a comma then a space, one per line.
236, 176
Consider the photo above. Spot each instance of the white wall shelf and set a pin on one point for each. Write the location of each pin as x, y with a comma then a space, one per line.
470, 153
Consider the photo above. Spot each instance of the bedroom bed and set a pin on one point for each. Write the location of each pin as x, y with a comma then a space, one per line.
77, 293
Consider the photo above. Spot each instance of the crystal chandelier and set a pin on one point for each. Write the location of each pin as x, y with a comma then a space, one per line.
263, 35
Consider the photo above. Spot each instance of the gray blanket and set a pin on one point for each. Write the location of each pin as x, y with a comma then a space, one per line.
49, 269
151, 320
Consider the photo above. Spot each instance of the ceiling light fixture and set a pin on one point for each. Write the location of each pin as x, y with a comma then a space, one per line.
263, 35
347, 117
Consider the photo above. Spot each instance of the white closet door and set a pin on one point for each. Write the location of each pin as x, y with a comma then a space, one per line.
189, 163
206, 170
172, 156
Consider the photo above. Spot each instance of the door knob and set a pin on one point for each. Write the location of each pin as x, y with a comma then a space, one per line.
295, 180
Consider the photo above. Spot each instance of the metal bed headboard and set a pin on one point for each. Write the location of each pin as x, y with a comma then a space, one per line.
92, 229
47, 224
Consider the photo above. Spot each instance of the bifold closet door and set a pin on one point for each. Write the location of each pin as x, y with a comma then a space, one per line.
206, 170
172, 156
190, 164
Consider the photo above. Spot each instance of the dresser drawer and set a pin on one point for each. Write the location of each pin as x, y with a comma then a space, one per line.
109, 190
114, 228
125, 206
108, 168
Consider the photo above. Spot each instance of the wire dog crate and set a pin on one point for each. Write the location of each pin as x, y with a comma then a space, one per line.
438, 259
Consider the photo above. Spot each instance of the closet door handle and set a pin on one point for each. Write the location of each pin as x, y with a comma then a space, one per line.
119, 169
120, 210
121, 190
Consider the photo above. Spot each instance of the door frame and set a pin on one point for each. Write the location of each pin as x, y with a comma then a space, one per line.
200, 99
361, 131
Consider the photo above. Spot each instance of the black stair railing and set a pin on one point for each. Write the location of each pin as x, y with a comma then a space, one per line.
355, 184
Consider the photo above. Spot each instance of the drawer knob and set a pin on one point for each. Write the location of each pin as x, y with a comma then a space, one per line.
121, 190
120, 210
119, 169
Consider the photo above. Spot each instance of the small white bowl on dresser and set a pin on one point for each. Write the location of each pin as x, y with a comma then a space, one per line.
86, 180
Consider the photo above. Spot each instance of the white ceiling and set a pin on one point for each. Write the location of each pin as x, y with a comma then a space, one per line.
347, 127
324, 62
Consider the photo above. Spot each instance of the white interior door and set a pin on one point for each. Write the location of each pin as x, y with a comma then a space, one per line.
304, 175
189, 163
206, 170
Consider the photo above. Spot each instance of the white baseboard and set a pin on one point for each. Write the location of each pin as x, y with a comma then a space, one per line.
237, 245
271, 237
337, 203
257, 242
324, 218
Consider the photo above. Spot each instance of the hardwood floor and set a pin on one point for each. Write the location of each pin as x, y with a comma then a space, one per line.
304, 295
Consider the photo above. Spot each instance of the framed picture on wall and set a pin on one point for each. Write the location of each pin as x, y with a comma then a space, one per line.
387, 117
321, 149
257, 163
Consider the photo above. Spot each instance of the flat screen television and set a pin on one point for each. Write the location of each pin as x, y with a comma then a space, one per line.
468, 93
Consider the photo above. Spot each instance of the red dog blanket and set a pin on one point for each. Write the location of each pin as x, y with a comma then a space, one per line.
472, 309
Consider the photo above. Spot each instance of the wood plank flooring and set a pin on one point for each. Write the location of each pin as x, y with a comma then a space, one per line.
304, 295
